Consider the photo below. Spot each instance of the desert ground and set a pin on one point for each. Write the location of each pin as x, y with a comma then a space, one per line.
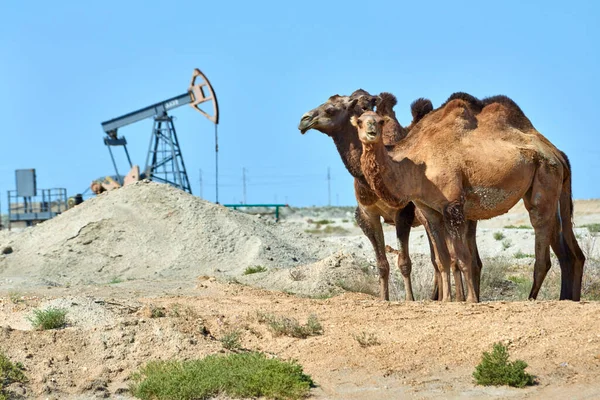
115, 259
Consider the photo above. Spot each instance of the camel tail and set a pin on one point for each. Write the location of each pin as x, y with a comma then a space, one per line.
568, 239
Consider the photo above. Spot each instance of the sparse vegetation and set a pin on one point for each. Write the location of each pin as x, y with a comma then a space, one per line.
15, 297
328, 230
254, 270
284, 326
157, 312
593, 228
518, 227
9, 373
506, 244
493, 278
498, 235
50, 318
519, 254
115, 280
231, 340
366, 339
322, 222
243, 375
496, 370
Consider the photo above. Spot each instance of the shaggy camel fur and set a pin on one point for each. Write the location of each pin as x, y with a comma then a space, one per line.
470, 161
333, 119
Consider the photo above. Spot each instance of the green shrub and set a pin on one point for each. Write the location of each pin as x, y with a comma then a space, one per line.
518, 227
519, 254
231, 340
366, 339
593, 228
283, 326
254, 270
9, 373
498, 235
240, 375
50, 318
506, 244
496, 370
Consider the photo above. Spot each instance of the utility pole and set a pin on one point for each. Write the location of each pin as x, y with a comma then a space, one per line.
328, 186
244, 185
201, 196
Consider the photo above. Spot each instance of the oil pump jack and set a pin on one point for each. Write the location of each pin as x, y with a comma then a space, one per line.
164, 162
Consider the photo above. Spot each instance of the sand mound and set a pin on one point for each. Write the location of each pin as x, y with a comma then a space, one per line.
150, 231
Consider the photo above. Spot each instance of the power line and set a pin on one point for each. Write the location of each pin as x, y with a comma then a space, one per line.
244, 185
201, 196
329, 186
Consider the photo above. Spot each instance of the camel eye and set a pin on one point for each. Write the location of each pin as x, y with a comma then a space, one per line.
330, 111
359, 123
381, 122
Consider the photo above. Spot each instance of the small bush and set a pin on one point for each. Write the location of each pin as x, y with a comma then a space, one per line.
240, 375
518, 227
506, 244
16, 297
323, 222
115, 280
231, 340
496, 370
51, 318
9, 373
498, 235
157, 312
593, 228
254, 270
283, 326
519, 254
366, 339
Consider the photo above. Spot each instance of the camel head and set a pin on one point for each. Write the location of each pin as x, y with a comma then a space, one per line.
335, 113
369, 126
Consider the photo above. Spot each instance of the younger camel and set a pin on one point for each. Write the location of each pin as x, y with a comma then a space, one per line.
464, 162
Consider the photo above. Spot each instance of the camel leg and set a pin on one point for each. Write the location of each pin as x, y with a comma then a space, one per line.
570, 241
370, 223
434, 226
472, 242
541, 201
457, 231
436, 294
458, 284
404, 221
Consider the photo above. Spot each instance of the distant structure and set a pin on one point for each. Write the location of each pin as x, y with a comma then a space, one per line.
28, 206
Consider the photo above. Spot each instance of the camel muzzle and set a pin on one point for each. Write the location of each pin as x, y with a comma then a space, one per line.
306, 123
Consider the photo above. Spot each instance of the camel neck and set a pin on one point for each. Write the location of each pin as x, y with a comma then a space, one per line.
350, 149
387, 178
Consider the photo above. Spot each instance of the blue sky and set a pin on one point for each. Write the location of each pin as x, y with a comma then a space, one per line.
67, 66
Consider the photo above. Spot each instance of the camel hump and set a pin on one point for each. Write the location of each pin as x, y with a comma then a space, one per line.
457, 104
475, 104
514, 115
386, 103
419, 108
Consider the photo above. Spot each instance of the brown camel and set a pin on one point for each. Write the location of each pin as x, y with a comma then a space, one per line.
468, 161
333, 119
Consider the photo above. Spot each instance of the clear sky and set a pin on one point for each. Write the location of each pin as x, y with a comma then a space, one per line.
66, 66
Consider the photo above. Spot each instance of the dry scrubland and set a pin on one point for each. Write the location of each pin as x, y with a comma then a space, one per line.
148, 273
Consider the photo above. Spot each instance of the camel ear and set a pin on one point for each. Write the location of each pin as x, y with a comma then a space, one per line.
352, 104
377, 100
354, 121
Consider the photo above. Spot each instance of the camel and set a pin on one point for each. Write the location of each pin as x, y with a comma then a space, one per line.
472, 160
333, 119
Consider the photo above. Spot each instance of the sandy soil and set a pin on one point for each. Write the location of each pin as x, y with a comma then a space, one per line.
112, 259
